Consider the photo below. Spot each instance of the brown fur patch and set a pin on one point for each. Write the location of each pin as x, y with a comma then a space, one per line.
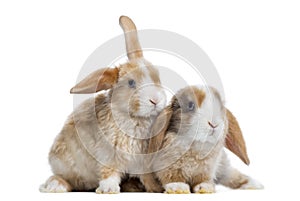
138, 74
238, 182
153, 72
159, 129
199, 95
133, 69
234, 139
151, 183
171, 175
135, 105
132, 185
106, 172
233, 179
199, 178
98, 80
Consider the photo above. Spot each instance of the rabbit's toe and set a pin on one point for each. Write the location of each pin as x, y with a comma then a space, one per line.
204, 187
108, 186
177, 188
55, 184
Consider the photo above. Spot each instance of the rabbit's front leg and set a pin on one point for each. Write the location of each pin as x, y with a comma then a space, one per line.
205, 187
203, 183
110, 181
151, 184
173, 181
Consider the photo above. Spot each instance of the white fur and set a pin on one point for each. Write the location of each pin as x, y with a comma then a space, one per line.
210, 111
252, 184
109, 185
129, 128
199, 133
177, 187
53, 187
204, 187
149, 91
141, 63
211, 107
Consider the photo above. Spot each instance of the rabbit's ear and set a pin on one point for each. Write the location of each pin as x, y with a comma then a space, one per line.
133, 46
159, 129
98, 80
235, 140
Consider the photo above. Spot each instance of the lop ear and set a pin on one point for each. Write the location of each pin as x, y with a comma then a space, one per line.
234, 139
159, 129
98, 80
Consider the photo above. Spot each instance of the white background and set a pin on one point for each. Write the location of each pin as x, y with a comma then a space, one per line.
255, 46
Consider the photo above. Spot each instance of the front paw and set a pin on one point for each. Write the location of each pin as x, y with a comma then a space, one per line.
204, 187
177, 188
108, 186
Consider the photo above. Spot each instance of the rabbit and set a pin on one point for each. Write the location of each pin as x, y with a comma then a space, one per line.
187, 144
102, 140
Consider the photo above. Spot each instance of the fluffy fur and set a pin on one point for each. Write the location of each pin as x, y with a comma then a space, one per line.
104, 137
188, 145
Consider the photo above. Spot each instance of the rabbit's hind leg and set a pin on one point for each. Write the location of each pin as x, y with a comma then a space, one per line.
55, 184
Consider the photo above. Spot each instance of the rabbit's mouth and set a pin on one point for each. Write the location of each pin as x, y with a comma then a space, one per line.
154, 111
147, 110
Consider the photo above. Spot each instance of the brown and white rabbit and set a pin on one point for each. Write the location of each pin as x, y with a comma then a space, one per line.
105, 136
188, 144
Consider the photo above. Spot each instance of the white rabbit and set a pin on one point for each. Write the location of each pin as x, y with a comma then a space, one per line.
188, 143
104, 137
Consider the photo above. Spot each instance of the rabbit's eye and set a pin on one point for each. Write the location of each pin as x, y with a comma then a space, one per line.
131, 83
191, 106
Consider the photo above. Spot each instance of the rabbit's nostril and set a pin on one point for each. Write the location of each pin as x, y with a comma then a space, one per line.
211, 125
153, 101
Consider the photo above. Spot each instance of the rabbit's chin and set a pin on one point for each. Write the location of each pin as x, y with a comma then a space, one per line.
146, 113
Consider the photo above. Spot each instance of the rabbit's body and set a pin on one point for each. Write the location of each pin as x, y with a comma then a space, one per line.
190, 163
105, 137
78, 157
189, 148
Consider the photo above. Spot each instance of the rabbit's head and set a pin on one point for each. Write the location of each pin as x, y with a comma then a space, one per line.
135, 85
199, 118
201, 113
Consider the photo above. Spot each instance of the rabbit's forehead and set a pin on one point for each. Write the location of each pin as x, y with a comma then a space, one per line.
212, 106
206, 94
140, 70
192, 93
199, 95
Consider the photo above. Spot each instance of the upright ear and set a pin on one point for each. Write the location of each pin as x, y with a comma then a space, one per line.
159, 129
98, 80
133, 46
235, 140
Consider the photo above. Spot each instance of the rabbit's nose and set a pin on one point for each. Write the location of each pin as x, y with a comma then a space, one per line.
154, 102
211, 125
